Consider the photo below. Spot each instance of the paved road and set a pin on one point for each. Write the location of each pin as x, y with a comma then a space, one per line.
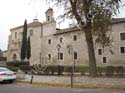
27, 88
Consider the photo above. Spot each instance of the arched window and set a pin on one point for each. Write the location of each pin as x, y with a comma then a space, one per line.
61, 39
14, 57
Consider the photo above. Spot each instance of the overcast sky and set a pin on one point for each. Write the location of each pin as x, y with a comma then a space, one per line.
14, 12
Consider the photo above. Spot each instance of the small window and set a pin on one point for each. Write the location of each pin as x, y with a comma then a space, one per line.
122, 36
99, 51
104, 60
49, 41
74, 37
48, 18
15, 34
40, 56
122, 49
75, 55
31, 32
61, 56
49, 56
61, 40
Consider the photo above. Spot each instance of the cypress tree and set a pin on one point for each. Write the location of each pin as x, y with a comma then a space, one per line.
28, 55
24, 41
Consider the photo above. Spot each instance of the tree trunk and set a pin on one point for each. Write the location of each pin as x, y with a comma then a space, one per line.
91, 52
89, 40
88, 33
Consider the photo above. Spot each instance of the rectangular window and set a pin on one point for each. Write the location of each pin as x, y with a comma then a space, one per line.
61, 56
31, 32
75, 55
49, 56
74, 37
104, 60
122, 36
15, 34
49, 41
122, 49
99, 51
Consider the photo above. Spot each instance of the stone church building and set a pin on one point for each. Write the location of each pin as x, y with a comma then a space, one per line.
50, 44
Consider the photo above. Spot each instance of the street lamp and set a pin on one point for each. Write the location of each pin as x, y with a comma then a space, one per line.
71, 52
58, 49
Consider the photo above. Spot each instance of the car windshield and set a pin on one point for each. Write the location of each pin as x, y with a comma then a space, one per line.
3, 69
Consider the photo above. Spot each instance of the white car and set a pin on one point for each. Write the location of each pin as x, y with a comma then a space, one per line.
7, 75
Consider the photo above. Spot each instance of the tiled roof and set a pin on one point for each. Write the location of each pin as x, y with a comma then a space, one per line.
67, 30
118, 20
61, 31
33, 24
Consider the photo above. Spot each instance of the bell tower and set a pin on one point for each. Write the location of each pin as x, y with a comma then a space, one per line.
49, 15
49, 27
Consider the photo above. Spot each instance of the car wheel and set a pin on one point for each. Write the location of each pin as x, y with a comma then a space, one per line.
11, 81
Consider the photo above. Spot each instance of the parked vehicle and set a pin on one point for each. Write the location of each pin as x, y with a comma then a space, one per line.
7, 75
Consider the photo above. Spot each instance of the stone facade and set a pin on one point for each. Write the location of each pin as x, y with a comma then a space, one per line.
3, 55
50, 44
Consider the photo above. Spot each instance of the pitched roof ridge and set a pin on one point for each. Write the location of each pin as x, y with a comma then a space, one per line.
29, 24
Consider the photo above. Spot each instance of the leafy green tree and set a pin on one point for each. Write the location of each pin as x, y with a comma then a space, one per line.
94, 18
28, 48
24, 41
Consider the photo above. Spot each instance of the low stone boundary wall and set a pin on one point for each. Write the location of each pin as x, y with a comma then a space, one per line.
78, 79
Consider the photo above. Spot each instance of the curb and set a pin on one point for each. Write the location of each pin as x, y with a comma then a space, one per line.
76, 85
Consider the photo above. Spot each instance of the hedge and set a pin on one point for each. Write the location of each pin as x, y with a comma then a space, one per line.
15, 69
25, 68
109, 70
17, 63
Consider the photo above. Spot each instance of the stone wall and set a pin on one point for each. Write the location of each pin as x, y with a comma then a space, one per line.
40, 49
80, 80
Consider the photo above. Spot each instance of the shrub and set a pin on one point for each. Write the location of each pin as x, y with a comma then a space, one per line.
17, 63
82, 69
61, 69
68, 69
119, 70
109, 71
25, 68
15, 69
100, 70
53, 69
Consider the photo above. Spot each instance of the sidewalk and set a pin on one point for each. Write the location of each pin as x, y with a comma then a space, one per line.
79, 81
